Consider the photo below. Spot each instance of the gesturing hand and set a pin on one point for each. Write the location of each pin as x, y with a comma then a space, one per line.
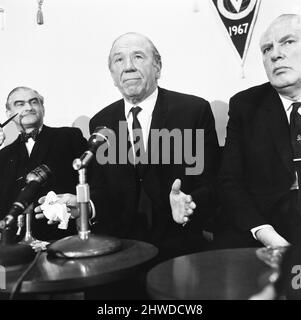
182, 205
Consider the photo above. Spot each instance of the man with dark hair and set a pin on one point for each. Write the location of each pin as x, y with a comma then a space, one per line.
37, 144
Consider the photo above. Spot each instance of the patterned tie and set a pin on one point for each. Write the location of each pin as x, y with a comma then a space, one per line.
137, 131
33, 134
295, 130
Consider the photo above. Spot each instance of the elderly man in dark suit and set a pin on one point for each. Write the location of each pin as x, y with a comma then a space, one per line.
37, 144
260, 176
145, 200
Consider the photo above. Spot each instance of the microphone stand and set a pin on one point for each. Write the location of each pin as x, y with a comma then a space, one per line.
28, 237
84, 244
11, 253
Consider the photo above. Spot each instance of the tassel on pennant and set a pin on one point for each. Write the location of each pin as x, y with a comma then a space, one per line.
196, 6
40, 18
243, 71
2, 19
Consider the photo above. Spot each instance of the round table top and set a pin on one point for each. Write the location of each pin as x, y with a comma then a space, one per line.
51, 275
211, 275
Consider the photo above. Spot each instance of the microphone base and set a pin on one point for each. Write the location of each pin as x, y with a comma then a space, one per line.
15, 254
74, 247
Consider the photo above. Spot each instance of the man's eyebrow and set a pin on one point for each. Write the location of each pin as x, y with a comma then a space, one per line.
22, 101
282, 39
18, 101
287, 36
32, 99
266, 45
117, 53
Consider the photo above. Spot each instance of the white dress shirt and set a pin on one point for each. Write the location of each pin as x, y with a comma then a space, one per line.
144, 116
30, 143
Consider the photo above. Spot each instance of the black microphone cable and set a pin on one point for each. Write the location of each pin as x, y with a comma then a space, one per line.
17, 286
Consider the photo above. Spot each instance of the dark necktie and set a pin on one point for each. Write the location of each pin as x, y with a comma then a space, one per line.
137, 131
295, 129
25, 136
144, 204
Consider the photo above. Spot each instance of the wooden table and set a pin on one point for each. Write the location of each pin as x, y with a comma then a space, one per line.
54, 275
212, 275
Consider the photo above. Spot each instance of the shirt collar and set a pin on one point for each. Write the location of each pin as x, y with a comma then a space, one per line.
39, 131
287, 104
146, 105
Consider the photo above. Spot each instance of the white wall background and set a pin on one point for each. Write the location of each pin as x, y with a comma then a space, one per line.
66, 58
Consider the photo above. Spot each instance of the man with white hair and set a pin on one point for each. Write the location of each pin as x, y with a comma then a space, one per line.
260, 176
148, 201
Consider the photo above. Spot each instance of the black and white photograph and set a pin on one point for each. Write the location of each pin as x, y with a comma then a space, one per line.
150, 154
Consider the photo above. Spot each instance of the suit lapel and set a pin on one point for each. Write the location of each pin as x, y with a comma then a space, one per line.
160, 111
278, 126
158, 122
13, 161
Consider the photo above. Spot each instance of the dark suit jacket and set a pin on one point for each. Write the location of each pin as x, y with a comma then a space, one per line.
257, 170
55, 147
115, 188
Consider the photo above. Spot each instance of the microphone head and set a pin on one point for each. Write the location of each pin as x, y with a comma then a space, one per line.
40, 174
99, 136
34, 179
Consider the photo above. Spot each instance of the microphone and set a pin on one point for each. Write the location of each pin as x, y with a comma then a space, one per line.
34, 180
98, 138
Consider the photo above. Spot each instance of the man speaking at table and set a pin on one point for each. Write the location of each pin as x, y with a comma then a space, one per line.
152, 202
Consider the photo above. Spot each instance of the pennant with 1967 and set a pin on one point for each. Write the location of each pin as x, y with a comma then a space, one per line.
238, 17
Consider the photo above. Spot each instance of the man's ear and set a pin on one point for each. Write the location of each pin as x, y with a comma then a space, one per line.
158, 74
8, 113
158, 71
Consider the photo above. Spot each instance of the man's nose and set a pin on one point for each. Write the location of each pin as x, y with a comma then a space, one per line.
27, 106
129, 65
277, 53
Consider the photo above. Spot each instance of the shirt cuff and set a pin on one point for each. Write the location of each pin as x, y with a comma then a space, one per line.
93, 211
254, 230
